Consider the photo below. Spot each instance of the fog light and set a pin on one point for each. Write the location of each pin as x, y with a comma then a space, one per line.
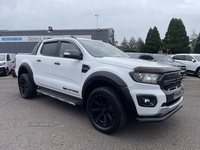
147, 100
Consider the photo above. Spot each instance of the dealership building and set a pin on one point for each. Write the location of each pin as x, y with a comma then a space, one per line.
23, 41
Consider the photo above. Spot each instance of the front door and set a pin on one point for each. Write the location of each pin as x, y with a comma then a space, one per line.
67, 71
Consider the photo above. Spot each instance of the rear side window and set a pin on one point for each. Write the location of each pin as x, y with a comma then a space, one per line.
49, 49
179, 57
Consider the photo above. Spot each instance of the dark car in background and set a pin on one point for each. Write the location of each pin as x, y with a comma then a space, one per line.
160, 58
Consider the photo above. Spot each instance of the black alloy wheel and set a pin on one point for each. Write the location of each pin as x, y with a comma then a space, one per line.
26, 87
105, 111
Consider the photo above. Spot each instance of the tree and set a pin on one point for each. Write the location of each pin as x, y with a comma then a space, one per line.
140, 44
197, 46
193, 40
176, 39
132, 44
153, 41
125, 44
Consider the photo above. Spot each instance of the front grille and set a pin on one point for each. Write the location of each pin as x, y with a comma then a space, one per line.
170, 81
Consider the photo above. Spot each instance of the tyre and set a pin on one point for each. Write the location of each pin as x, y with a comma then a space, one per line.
26, 87
105, 110
198, 72
6, 72
14, 75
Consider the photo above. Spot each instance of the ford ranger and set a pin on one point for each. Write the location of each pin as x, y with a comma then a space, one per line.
103, 79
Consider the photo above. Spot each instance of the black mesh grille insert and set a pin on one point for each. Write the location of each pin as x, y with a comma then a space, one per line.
170, 81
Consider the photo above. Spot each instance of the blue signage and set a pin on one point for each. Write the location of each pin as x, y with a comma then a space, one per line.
12, 39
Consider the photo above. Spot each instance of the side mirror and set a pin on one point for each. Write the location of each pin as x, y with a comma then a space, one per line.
74, 54
193, 60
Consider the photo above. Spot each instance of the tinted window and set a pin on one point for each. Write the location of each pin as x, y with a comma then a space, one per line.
49, 49
179, 57
8, 57
64, 46
147, 57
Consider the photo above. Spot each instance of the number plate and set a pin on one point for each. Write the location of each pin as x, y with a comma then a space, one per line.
178, 94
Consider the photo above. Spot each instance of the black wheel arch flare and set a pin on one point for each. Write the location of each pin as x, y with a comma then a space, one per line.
115, 81
25, 68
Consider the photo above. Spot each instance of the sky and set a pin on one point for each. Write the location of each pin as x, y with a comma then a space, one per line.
128, 18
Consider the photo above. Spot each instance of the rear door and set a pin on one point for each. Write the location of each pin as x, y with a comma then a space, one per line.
43, 62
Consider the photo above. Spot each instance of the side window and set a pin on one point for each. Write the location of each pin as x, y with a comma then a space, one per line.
8, 58
49, 49
64, 46
180, 57
146, 57
189, 58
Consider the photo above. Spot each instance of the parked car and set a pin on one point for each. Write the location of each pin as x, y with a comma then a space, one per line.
160, 58
192, 62
6, 62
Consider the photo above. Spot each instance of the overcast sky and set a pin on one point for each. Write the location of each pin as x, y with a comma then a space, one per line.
129, 18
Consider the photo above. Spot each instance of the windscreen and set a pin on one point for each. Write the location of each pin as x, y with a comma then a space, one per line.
197, 57
101, 49
2, 57
163, 58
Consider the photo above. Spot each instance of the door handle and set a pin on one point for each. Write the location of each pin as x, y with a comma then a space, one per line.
38, 60
56, 63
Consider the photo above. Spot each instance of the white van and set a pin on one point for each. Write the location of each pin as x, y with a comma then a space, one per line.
6, 62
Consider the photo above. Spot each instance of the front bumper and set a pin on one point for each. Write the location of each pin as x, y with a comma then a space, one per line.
168, 102
159, 118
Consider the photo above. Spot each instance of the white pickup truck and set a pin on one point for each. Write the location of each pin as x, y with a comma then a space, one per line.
102, 78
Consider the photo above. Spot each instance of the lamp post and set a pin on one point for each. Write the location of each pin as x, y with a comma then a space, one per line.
97, 19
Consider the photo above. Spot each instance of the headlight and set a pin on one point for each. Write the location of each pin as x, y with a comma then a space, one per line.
150, 78
1, 64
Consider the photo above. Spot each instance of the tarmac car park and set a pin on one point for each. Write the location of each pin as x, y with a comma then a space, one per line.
46, 123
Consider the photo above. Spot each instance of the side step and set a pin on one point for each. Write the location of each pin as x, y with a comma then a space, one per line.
60, 96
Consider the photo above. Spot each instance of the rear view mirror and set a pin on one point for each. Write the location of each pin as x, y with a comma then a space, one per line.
76, 54
193, 60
